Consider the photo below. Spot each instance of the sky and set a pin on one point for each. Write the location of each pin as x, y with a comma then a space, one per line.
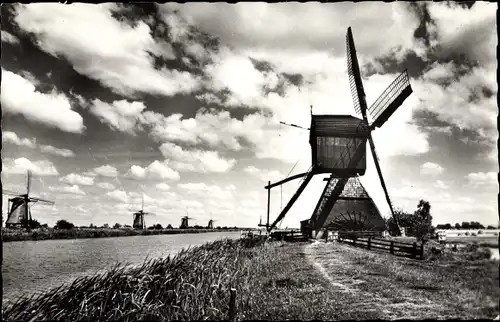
182, 103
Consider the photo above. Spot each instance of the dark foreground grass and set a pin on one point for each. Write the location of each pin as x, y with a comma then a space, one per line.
274, 281
450, 285
11, 235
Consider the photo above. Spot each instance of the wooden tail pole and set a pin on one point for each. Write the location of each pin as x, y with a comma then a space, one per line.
232, 305
268, 204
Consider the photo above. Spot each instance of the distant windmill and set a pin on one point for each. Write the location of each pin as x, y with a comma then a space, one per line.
19, 212
211, 223
139, 222
185, 221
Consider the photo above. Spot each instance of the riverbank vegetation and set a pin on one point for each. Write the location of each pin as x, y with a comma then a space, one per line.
11, 235
276, 281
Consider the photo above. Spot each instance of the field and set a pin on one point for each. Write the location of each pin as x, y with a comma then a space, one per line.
278, 281
483, 241
10, 235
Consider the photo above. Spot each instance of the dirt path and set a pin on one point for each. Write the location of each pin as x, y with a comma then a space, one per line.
392, 287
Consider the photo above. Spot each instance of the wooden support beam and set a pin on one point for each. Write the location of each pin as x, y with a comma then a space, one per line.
300, 175
268, 203
292, 201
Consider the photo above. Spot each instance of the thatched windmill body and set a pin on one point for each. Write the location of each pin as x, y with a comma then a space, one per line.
338, 145
19, 207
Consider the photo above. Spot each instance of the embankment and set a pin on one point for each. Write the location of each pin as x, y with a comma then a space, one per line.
11, 235
274, 281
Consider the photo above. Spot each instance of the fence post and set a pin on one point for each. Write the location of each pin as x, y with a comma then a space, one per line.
232, 305
392, 247
414, 253
369, 242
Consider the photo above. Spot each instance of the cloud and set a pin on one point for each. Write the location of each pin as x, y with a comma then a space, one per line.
106, 185
74, 189
281, 26
56, 151
195, 160
162, 186
264, 175
104, 170
9, 38
441, 185
156, 169
119, 115
76, 179
118, 195
459, 30
110, 51
432, 169
38, 168
19, 96
11, 137
201, 190
482, 178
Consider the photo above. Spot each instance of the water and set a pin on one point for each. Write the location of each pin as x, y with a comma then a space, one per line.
35, 266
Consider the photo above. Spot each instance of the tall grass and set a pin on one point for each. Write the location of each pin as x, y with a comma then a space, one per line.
192, 285
10, 235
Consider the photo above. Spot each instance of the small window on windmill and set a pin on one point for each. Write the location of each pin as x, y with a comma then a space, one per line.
338, 144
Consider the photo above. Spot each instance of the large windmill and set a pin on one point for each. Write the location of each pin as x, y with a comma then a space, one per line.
139, 222
185, 221
19, 207
338, 144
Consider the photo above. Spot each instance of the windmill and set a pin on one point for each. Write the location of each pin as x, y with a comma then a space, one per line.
139, 222
211, 223
19, 209
185, 221
338, 144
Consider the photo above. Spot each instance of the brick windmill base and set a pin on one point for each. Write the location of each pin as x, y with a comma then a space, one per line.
353, 209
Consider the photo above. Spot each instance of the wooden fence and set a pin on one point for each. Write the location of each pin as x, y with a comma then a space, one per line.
412, 250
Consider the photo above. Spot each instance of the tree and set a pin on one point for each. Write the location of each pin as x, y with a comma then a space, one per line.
465, 225
422, 223
170, 226
117, 226
63, 224
447, 226
105, 226
457, 226
490, 227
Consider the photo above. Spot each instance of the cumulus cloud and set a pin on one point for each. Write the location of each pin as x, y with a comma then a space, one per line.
459, 30
431, 168
440, 185
11, 137
195, 160
104, 170
264, 175
119, 115
106, 185
156, 169
74, 189
162, 186
56, 151
482, 178
110, 51
19, 96
203, 190
118, 195
21, 165
77, 179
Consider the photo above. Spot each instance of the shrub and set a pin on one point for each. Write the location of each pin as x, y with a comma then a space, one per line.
63, 224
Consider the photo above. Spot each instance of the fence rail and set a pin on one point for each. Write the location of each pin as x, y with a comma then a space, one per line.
412, 250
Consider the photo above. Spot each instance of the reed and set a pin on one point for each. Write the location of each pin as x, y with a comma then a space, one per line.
192, 285
11, 235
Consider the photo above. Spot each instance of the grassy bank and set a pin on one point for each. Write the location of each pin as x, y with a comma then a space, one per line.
275, 281
10, 235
